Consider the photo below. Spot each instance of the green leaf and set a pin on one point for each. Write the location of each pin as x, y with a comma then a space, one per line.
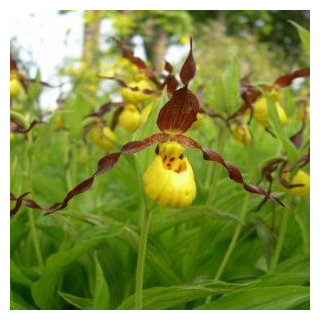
162, 298
175, 218
101, 292
154, 256
15, 305
299, 263
18, 303
17, 276
18, 233
218, 100
43, 291
281, 279
79, 302
278, 131
304, 35
16, 174
266, 298
231, 83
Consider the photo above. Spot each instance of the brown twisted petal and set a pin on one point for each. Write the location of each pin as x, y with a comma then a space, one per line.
179, 113
104, 164
171, 82
300, 162
283, 181
137, 146
287, 184
129, 54
18, 204
106, 107
287, 79
249, 95
153, 77
115, 118
270, 167
297, 138
18, 126
189, 68
234, 172
28, 203
123, 84
86, 131
120, 82
168, 67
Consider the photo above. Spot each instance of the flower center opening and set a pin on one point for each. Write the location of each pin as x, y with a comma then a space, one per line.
172, 157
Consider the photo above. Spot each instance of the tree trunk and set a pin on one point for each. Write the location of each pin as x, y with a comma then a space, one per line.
156, 49
91, 52
91, 35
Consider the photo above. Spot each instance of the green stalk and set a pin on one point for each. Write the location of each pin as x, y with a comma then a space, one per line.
32, 225
280, 241
142, 249
145, 223
234, 239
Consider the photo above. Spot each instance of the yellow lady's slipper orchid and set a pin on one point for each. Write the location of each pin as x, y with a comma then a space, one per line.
128, 66
260, 112
130, 118
15, 87
103, 138
169, 179
241, 133
140, 76
136, 96
300, 178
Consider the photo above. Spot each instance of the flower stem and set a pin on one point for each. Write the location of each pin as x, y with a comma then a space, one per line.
234, 239
280, 242
32, 225
144, 229
145, 223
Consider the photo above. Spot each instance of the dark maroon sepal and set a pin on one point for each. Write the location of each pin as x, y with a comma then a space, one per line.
180, 112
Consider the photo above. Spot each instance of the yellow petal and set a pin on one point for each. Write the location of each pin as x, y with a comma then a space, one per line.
169, 179
130, 118
260, 112
301, 178
241, 133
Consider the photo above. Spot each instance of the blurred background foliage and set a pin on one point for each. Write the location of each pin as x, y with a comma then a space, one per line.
159, 29
265, 42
